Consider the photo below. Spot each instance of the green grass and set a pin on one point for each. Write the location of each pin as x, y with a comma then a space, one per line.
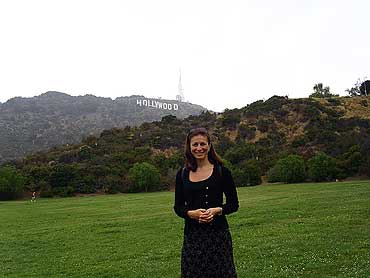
304, 230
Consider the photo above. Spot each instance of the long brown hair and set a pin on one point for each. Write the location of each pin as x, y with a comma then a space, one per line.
190, 161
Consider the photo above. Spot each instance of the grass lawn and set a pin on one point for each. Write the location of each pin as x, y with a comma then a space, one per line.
299, 230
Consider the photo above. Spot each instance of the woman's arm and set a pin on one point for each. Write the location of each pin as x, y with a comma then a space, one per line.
180, 207
232, 202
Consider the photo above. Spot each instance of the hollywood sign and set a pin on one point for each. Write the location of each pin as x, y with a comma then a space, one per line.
157, 104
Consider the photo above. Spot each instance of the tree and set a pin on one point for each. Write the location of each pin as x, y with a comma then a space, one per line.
113, 184
144, 177
230, 118
161, 162
360, 88
321, 92
253, 172
365, 88
63, 175
322, 167
11, 183
223, 144
169, 119
240, 152
274, 174
64, 179
246, 132
36, 175
247, 174
289, 169
351, 161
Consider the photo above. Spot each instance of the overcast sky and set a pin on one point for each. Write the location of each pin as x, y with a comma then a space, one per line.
231, 53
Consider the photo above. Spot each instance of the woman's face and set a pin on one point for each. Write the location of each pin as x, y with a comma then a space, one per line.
199, 147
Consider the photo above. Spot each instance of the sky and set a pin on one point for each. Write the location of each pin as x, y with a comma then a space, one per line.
231, 53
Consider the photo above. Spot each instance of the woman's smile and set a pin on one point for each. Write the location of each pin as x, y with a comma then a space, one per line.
199, 146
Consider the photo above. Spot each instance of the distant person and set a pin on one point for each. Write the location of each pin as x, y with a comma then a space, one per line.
207, 250
33, 198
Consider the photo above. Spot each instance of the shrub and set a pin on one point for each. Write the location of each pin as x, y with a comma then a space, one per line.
246, 132
113, 184
293, 169
274, 174
239, 177
11, 183
264, 124
144, 177
322, 167
45, 190
86, 184
299, 141
64, 191
240, 152
63, 175
247, 173
161, 162
350, 162
334, 101
223, 144
289, 169
230, 118
253, 172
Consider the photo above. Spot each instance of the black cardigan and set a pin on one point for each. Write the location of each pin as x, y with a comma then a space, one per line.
206, 194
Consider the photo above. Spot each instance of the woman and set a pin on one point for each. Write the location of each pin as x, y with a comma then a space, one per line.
200, 185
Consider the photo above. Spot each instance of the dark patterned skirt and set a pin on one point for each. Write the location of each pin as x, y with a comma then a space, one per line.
207, 253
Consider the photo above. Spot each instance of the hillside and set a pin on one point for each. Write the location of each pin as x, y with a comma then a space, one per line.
251, 139
53, 118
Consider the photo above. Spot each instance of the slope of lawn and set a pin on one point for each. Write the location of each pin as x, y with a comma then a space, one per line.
296, 230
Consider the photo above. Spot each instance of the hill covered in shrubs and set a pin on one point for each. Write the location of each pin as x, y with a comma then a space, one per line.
32, 124
281, 139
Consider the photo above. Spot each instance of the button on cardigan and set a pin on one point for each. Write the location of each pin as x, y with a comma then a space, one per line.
206, 194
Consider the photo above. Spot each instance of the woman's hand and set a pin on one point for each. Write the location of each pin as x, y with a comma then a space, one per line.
215, 211
210, 213
204, 216
196, 214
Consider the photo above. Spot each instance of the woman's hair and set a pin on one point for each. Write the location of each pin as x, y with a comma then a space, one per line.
190, 161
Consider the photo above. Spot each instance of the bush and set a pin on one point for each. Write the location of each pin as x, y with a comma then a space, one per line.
230, 118
247, 174
264, 124
223, 144
65, 191
274, 174
253, 172
299, 142
63, 175
353, 159
246, 132
349, 163
334, 101
161, 162
86, 184
113, 184
36, 175
11, 183
322, 167
144, 177
45, 190
293, 169
239, 177
289, 169
240, 152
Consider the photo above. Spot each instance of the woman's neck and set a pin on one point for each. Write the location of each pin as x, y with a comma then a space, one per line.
204, 163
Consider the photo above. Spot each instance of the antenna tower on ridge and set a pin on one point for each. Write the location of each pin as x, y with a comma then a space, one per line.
180, 94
